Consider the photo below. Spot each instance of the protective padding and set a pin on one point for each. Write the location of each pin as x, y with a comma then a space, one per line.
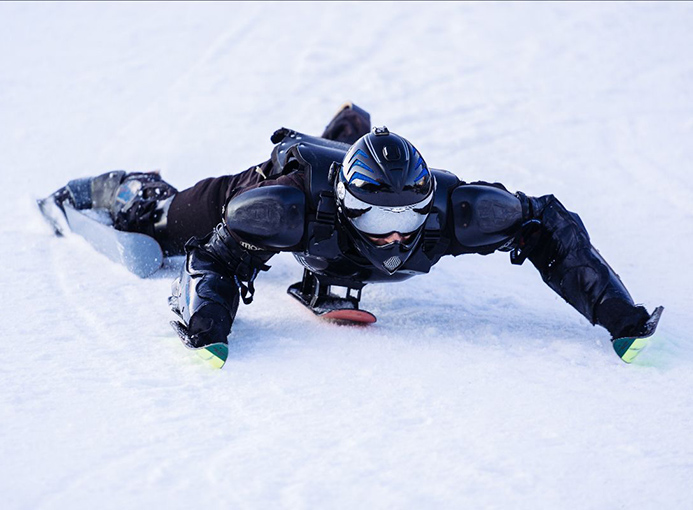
270, 216
484, 215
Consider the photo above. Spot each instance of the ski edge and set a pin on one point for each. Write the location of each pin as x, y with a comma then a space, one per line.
123, 255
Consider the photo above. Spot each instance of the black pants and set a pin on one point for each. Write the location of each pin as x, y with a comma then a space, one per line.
195, 211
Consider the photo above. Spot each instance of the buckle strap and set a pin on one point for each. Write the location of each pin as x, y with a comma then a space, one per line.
247, 291
326, 211
240, 264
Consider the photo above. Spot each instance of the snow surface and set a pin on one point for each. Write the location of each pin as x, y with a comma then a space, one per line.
477, 388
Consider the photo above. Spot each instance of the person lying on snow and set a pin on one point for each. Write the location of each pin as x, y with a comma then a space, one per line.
354, 206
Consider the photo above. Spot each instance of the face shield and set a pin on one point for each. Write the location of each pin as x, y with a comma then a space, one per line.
378, 220
369, 221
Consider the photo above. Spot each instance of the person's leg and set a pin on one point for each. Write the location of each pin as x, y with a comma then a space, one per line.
194, 212
145, 203
134, 200
348, 125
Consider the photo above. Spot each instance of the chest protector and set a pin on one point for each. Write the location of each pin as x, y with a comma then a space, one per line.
328, 250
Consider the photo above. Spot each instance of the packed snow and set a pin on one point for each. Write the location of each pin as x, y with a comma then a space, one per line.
478, 387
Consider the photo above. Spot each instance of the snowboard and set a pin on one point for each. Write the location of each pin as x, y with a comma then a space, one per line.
332, 308
139, 253
628, 348
215, 354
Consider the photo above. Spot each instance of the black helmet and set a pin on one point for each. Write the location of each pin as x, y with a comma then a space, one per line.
384, 187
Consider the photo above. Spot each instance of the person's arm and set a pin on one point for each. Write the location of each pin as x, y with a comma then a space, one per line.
488, 218
221, 268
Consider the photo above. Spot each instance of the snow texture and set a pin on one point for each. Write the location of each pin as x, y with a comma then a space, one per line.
477, 388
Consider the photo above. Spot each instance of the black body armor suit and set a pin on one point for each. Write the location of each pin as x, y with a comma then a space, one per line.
300, 215
326, 250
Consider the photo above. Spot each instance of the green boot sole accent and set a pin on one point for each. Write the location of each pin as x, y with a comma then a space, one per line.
216, 354
629, 348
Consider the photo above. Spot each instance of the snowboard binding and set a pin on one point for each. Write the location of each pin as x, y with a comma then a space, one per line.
315, 293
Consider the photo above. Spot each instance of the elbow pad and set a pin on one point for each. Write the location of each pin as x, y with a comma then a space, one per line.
485, 215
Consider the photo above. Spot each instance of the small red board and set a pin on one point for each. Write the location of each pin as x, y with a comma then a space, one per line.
350, 315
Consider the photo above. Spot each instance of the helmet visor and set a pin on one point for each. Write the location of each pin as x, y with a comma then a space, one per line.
378, 220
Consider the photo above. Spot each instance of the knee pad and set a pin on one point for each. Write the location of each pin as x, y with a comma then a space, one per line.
272, 217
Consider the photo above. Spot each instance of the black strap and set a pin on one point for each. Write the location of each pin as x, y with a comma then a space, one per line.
326, 211
247, 290
527, 241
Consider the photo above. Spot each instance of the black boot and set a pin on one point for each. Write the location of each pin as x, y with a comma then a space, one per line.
135, 202
140, 202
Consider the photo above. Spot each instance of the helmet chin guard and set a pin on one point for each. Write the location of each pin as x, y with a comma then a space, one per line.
384, 186
387, 258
